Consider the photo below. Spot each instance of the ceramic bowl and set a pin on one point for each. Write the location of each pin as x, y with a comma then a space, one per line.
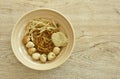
18, 33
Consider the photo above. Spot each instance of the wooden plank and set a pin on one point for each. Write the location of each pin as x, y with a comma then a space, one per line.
96, 53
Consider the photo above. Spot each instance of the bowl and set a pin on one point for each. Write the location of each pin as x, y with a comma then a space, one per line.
18, 33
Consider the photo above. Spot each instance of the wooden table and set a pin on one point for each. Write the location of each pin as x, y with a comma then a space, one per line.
96, 53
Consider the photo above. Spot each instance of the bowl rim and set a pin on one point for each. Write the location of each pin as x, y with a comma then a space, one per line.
49, 9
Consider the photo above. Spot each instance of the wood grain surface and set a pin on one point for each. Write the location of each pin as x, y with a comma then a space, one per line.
96, 53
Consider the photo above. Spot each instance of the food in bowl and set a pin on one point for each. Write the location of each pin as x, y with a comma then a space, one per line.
43, 39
